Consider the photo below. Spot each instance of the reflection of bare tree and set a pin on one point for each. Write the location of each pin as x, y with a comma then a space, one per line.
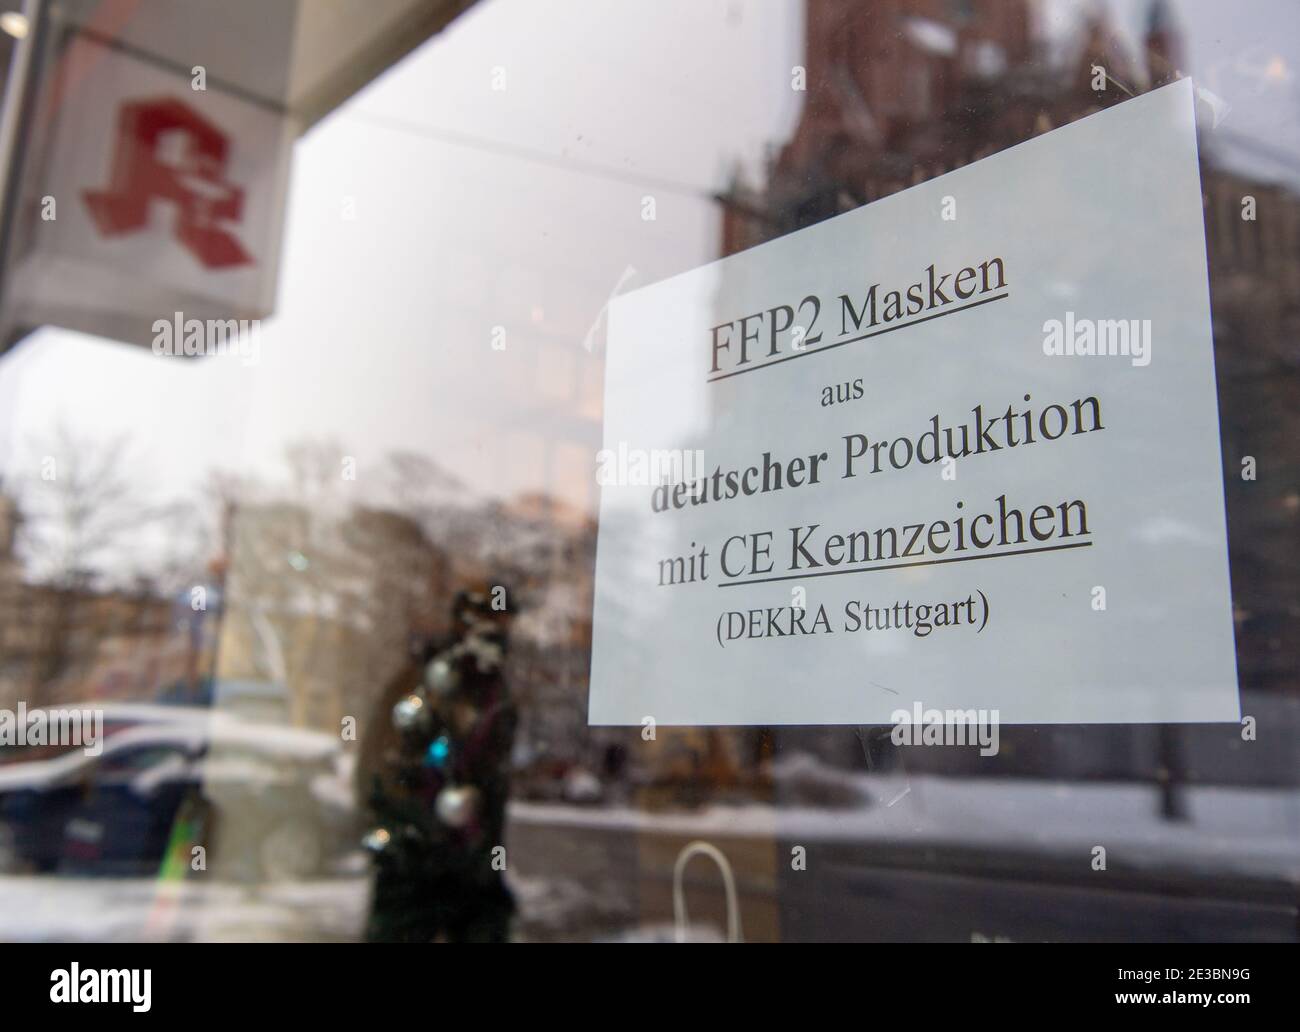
315, 468
324, 590
81, 503
419, 485
223, 492
329, 582
80, 508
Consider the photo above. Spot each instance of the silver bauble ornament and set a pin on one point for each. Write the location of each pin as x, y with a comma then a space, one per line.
456, 805
441, 676
411, 714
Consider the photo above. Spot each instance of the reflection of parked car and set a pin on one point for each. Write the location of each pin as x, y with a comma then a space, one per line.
268, 796
114, 716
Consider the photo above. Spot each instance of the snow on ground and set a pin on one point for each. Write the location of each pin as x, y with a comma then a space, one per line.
1250, 831
36, 909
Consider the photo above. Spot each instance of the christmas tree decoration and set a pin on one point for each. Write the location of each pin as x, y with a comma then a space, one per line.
441, 676
486, 652
456, 805
411, 714
438, 751
443, 780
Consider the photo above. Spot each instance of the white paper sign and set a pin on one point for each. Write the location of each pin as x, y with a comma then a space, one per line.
958, 448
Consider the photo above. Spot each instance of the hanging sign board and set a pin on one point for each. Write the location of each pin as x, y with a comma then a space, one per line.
147, 202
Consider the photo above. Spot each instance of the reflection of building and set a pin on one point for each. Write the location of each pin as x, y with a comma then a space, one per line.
61, 643
900, 93
324, 603
321, 604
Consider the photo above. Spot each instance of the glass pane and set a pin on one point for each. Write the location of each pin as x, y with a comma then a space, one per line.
301, 422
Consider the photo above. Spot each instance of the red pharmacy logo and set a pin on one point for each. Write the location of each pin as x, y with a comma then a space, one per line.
166, 150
